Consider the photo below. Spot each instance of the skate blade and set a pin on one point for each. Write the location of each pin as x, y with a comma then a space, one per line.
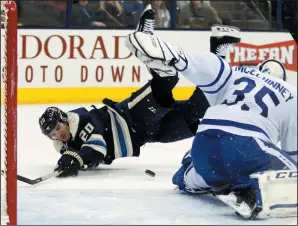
242, 209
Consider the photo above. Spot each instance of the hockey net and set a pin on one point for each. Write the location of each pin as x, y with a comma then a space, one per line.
8, 112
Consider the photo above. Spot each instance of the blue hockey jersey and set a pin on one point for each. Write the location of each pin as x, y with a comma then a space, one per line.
99, 136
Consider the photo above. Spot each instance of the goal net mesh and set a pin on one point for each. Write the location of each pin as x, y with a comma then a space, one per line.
8, 111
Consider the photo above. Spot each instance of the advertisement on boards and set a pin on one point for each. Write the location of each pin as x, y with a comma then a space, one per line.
75, 66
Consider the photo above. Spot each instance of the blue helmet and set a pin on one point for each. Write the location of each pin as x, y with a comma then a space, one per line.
50, 118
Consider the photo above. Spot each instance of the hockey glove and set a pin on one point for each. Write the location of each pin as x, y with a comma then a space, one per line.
70, 163
161, 56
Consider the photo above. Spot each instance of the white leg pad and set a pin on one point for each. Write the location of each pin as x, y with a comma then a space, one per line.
277, 193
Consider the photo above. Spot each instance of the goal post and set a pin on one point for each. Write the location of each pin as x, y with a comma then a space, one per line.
9, 80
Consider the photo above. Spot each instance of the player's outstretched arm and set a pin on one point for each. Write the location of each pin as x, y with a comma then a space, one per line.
92, 152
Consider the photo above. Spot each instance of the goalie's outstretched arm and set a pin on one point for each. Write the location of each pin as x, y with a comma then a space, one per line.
206, 70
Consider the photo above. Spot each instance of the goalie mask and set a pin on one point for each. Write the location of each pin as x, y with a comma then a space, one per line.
273, 68
50, 118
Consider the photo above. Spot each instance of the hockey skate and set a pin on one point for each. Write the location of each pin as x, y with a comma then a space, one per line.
147, 21
243, 202
222, 38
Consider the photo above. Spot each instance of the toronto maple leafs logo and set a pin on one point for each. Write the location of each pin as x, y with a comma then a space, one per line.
266, 70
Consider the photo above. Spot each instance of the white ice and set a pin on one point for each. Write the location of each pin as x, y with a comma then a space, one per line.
118, 194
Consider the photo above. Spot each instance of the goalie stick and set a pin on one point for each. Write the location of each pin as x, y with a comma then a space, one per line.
37, 180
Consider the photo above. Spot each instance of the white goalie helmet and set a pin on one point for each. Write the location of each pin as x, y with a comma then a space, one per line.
273, 68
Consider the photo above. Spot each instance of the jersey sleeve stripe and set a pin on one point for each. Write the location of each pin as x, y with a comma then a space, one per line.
117, 149
97, 137
222, 122
96, 147
121, 139
221, 70
124, 136
97, 142
136, 100
121, 135
225, 82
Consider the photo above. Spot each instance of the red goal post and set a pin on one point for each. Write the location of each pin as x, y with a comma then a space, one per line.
9, 80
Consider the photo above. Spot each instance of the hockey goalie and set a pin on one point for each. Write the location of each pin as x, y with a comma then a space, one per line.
235, 153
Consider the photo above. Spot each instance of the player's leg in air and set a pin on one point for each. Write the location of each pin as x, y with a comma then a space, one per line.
223, 36
87, 138
152, 111
187, 113
231, 152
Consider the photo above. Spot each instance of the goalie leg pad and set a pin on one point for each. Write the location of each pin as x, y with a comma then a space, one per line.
272, 194
276, 192
148, 45
157, 54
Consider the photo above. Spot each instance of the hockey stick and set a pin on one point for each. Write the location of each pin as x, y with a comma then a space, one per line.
37, 180
113, 18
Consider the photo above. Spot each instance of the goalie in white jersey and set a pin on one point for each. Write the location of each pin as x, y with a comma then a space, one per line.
236, 142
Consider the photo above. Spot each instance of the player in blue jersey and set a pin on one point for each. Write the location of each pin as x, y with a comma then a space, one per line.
87, 138
235, 153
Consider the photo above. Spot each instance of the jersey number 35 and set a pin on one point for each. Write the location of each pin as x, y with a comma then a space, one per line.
258, 97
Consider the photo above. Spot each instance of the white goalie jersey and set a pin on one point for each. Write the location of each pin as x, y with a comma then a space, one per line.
245, 101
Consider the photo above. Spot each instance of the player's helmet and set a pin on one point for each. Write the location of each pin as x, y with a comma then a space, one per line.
50, 118
273, 68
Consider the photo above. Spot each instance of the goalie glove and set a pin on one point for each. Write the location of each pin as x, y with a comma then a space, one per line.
70, 163
162, 57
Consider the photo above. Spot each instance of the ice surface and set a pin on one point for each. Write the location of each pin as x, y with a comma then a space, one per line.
118, 194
